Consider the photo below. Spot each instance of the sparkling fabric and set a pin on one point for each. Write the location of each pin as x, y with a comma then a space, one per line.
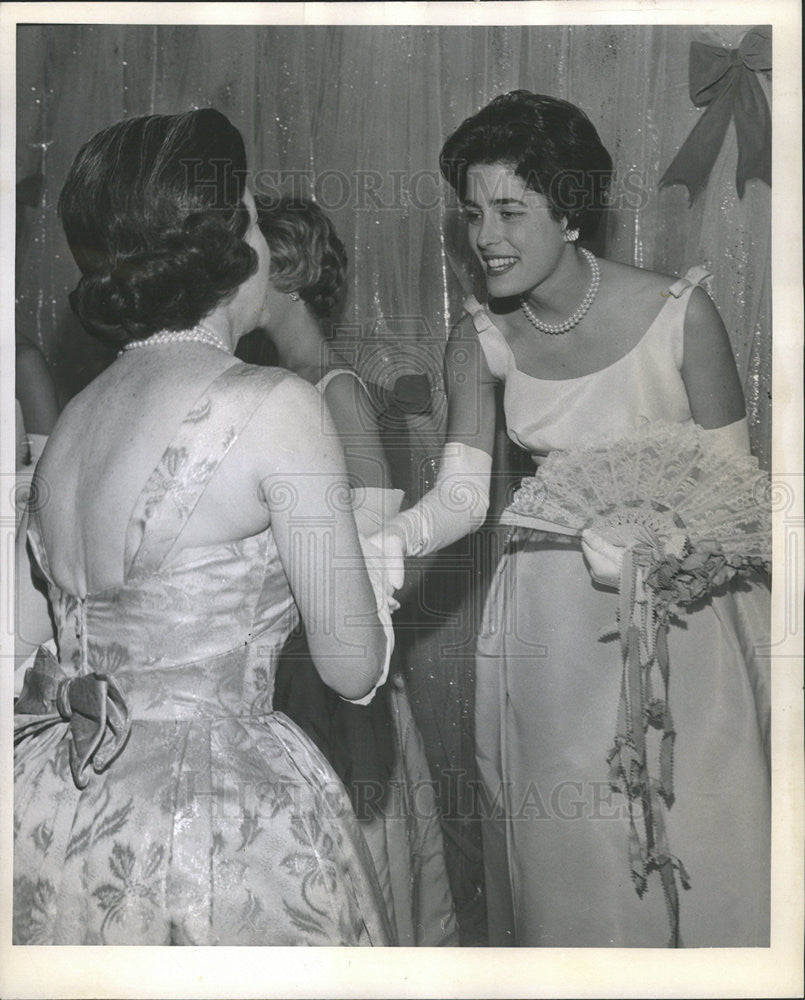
356, 116
220, 822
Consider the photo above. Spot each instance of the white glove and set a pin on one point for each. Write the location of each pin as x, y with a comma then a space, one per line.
732, 437
373, 506
455, 507
604, 560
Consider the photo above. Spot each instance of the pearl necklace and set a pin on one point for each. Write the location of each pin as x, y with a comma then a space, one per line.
199, 334
575, 317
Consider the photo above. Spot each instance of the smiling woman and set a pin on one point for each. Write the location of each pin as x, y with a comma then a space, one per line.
514, 234
585, 349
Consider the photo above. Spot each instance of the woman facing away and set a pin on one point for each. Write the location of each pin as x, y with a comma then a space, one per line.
158, 797
376, 748
587, 348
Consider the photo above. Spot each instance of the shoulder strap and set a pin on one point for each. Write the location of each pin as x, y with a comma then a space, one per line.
496, 349
34, 533
695, 276
204, 437
673, 314
322, 384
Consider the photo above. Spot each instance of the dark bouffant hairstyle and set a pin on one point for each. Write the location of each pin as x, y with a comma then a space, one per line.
551, 145
306, 254
153, 213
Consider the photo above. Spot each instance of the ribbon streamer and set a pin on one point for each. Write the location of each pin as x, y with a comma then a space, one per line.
724, 81
644, 650
92, 705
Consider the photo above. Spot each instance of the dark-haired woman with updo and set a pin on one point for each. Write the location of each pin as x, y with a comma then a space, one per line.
189, 525
587, 348
377, 748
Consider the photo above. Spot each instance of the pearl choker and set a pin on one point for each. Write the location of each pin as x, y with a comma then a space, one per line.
575, 317
199, 334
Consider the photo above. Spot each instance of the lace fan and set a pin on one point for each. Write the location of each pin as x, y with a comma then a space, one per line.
661, 484
689, 518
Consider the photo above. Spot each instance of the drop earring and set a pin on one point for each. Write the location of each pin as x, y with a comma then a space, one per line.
570, 235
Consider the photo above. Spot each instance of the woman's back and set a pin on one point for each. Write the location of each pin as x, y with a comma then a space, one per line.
182, 649
183, 523
170, 601
94, 469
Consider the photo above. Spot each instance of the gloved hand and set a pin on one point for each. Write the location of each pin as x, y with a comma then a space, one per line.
456, 506
383, 554
604, 560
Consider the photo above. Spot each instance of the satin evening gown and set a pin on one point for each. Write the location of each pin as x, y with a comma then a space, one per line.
218, 822
556, 838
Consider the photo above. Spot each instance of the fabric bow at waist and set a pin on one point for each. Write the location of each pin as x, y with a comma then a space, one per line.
91, 705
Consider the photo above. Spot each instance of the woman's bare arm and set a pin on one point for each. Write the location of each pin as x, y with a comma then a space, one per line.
303, 480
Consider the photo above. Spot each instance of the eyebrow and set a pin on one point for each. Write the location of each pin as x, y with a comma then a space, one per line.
496, 201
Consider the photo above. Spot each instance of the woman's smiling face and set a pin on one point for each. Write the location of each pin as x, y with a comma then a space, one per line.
511, 230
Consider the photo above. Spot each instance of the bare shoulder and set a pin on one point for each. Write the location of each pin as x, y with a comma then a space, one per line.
272, 378
349, 401
286, 392
343, 383
633, 281
702, 312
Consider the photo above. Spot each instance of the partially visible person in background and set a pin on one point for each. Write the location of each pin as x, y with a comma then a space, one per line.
37, 406
37, 410
377, 749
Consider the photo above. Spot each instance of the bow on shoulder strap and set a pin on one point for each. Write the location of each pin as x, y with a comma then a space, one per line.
724, 82
92, 705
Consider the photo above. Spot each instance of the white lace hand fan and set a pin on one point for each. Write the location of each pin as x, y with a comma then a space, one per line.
689, 517
661, 486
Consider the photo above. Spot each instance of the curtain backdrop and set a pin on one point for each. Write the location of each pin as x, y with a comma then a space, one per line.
356, 116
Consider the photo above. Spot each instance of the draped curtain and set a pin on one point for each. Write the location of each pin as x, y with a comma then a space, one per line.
356, 116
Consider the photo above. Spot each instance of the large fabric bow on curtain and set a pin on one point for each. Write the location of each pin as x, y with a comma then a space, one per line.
725, 82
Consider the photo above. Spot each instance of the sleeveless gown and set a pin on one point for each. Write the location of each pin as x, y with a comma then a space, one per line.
219, 822
555, 836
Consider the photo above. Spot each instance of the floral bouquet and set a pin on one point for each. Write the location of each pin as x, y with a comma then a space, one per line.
689, 519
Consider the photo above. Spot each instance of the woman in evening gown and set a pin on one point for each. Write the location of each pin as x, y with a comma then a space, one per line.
377, 748
159, 799
588, 348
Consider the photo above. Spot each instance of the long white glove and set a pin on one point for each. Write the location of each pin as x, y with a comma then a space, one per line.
455, 507
373, 507
604, 559
733, 437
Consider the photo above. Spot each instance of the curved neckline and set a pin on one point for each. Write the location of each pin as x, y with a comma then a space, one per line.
598, 371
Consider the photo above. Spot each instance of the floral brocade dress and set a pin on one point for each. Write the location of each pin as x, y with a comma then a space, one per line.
556, 835
158, 798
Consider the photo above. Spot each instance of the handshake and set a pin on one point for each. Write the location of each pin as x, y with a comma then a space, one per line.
384, 555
